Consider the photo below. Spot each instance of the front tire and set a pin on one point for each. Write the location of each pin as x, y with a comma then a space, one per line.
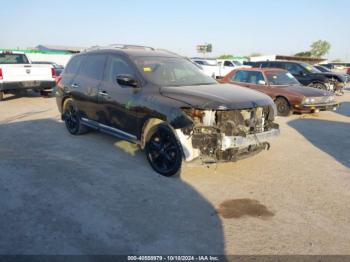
163, 151
283, 107
72, 118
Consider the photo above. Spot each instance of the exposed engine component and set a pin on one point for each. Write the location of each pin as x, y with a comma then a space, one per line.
212, 128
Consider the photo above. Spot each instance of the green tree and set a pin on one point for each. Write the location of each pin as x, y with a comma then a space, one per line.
254, 54
320, 48
226, 57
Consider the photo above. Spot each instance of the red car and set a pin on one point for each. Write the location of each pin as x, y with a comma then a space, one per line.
289, 95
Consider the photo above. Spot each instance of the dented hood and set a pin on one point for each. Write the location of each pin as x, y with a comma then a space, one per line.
217, 96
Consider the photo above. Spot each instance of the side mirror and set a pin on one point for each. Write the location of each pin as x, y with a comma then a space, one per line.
261, 82
302, 73
127, 80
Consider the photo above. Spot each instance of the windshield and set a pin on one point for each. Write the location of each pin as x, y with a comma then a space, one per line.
168, 71
237, 63
13, 59
310, 68
322, 69
281, 78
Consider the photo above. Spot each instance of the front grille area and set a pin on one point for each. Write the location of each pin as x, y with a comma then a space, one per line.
322, 100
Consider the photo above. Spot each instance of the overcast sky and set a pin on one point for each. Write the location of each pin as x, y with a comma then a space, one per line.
233, 27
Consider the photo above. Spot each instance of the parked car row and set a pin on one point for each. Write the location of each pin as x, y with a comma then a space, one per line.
171, 107
308, 75
286, 91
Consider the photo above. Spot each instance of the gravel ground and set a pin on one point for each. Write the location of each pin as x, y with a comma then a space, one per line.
94, 194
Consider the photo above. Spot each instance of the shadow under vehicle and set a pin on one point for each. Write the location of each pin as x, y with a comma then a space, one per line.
94, 195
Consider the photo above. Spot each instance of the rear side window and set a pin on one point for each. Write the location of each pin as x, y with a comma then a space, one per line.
73, 65
13, 59
93, 66
228, 63
277, 65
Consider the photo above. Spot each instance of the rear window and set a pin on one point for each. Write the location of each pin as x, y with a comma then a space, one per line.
74, 65
13, 59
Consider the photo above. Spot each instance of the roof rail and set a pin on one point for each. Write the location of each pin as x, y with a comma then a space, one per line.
119, 46
167, 51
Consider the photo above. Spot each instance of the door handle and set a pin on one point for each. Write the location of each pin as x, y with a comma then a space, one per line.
74, 85
103, 93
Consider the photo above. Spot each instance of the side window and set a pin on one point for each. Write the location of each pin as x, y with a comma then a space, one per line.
265, 64
254, 77
240, 76
199, 62
278, 65
293, 68
93, 66
118, 66
73, 65
228, 63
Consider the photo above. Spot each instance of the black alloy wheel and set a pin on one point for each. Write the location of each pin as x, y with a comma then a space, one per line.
72, 119
163, 151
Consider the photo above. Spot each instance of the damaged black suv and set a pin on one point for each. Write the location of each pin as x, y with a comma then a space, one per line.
164, 103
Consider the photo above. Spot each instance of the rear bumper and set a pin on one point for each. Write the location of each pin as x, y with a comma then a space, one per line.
317, 107
36, 85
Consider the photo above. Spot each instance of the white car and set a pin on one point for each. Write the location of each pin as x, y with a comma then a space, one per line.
227, 65
17, 73
209, 66
218, 68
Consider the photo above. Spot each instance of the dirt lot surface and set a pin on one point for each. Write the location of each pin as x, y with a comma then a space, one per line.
94, 194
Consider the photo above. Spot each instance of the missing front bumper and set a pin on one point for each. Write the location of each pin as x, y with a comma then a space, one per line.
232, 142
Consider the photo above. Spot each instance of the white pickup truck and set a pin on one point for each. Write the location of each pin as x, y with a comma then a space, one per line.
217, 68
17, 73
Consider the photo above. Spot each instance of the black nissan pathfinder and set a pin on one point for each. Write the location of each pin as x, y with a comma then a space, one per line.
165, 104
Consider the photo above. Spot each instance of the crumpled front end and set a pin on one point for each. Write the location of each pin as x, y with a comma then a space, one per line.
227, 135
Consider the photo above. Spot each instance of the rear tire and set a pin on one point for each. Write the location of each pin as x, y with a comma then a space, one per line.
283, 107
72, 118
163, 151
1, 95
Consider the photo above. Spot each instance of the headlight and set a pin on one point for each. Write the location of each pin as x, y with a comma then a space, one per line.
309, 100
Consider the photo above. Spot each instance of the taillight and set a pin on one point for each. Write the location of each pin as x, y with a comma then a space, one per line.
53, 72
1, 77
